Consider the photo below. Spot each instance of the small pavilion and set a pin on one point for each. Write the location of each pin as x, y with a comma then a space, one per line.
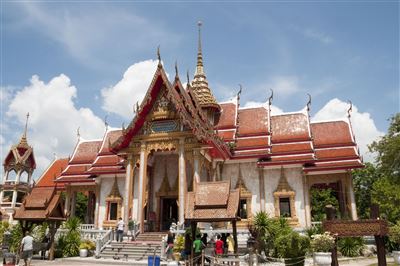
43, 204
213, 202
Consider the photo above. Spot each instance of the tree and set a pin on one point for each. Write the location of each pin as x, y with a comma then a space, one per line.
319, 199
81, 206
386, 190
363, 180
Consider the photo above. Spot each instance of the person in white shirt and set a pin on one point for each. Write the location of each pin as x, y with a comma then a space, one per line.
120, 229
27, 248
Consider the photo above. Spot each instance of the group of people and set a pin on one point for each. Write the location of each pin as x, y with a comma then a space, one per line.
223, 245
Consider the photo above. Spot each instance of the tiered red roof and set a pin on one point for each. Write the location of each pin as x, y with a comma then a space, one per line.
47, 179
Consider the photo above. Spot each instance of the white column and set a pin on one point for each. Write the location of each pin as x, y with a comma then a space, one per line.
352, 199
142, 186
182, 179
126, 197
67, 200
97, 206
18, 177
14, 198
196, 170
214, 171
1, 196
307, 208
262, 188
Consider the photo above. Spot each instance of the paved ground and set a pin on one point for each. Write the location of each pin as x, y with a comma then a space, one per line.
92, 261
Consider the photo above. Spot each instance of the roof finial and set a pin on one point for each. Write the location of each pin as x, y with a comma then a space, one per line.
350, 109
199, 69
187, 77
158, 55
78, 134
309, 102
23, 138
105, 122
239, 92
176, 68
271, 97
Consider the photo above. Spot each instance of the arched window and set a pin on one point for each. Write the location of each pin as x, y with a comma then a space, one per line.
24, 177
12, 175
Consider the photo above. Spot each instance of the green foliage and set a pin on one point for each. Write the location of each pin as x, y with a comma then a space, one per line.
71, 241
363, 181
322, 242
87, 244
131, 225
16, 238
4, 226
179, 243
81, 206
394, 234
38, 232
387, 148
350, 246
292, 246
314, 230
267, 230
386, 193
319, 199
60, 246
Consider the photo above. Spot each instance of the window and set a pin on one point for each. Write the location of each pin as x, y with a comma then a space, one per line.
7, 196
284, 207
20, 196
12, 175
243, 209
113, 211
23, 177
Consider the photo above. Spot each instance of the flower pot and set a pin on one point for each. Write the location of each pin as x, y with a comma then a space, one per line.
83, 253
322, 258
396, 257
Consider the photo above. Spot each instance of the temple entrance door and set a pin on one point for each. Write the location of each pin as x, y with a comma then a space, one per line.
169, 212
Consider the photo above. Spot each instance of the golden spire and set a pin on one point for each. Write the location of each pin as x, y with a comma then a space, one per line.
23, 140
200, 83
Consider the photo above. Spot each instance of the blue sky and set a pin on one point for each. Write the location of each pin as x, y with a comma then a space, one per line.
335, 51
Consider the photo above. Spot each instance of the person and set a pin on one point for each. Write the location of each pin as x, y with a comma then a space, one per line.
231, 244
170, 245
27, 248
219, 246
198, 247
120, 229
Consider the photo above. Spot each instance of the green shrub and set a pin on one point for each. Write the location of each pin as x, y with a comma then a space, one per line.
179, 243
394, 237
314, 230
350, 246
292, 247
16, 238
87, 244
71, 240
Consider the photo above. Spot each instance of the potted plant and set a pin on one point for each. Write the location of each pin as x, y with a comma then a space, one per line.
394, 236
86, 248
321, 245
179, 245
292, 247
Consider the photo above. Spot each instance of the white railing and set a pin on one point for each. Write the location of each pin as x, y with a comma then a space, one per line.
102, 242
87, 226
89, 234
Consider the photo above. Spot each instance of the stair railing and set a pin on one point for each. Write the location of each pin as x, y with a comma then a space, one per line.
102, 242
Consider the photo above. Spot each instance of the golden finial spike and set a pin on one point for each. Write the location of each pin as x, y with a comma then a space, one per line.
176, 68
23, 137
350, 109
199, 69
309, 102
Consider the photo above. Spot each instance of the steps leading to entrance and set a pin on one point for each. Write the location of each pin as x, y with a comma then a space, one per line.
145, 245
150, 237
131, 250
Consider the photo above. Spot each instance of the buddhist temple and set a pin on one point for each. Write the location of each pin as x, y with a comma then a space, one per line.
181, 140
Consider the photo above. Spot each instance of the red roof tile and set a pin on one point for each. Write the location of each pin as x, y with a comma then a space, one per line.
228, 116
294, 147
289, 127
252, 142
336, 153
331, 133
253, 121
110, 137
227, 135
86, 151
52, 172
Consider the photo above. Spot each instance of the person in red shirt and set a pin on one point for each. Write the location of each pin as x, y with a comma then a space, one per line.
219, 246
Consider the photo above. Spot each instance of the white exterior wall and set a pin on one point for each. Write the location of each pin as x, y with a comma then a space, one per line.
105, 189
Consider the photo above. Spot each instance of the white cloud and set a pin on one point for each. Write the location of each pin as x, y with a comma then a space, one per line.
284, 85
364, 128
53, 119
122, 97
318, 35
274, 109
87, 35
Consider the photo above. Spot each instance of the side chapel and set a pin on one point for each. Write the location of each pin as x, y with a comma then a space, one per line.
181, 136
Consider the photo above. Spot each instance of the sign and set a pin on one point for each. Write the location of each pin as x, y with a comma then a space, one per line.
356, 228
164, 126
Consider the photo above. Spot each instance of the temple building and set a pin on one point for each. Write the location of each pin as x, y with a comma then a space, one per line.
181, 137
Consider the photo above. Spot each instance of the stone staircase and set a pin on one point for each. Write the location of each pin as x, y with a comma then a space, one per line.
145, 245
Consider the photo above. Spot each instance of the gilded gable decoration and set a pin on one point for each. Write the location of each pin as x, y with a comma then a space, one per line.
244, 210
284, 200
114, 206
